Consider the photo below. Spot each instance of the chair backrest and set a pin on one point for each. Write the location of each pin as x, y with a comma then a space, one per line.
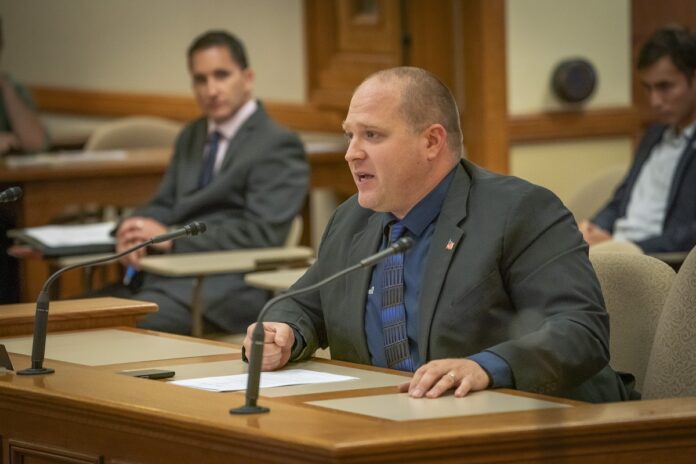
134, 132
635, 288
672, 366
295, 233
615, 246
595, 192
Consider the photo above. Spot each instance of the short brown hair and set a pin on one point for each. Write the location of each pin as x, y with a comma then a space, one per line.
425, 100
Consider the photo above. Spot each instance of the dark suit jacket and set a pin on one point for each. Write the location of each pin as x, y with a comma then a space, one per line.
679, 227
518, 283
250, 203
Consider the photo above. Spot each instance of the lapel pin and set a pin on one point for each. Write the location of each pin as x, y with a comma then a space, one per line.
449, 246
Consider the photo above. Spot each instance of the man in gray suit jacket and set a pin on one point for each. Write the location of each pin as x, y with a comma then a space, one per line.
233, 169
497, 290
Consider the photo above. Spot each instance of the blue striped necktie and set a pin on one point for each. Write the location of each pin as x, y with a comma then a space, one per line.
393, 311
208, 167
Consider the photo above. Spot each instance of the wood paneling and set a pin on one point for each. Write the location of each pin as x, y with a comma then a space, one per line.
344, 46
430, 41
574, 125
484, 114
18, 319
183, 108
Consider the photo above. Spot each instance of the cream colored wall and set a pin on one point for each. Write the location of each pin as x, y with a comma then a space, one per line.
540, 33
563, 167
140, 45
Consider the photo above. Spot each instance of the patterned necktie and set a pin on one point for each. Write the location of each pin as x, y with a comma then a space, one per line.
208, 167
393, 311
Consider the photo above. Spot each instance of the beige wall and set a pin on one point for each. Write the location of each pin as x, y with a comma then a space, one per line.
139, 45
540, 33
563, 166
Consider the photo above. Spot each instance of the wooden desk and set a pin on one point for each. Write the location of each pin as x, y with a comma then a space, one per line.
88, 413
199, 265
18, 319
130, 182
49, 188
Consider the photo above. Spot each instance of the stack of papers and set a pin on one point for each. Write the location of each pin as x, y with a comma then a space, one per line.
62, 240
42, 159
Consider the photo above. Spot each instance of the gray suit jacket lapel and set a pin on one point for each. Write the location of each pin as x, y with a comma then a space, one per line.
363, 244
443, 246
242, 137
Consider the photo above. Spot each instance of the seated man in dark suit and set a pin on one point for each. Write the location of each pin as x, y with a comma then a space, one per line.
497, 290
655, 204
235, 170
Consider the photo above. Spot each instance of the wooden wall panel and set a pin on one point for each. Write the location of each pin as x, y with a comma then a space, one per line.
430, 41
485, 108
573, 125
178, 107
344, 45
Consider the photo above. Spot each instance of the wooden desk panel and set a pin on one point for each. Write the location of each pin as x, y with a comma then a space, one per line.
18, 319
98, 414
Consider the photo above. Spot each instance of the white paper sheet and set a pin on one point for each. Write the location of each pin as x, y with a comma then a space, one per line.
42, 159
268, 380
73, 235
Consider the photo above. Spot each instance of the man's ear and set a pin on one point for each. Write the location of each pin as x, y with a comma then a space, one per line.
435, 139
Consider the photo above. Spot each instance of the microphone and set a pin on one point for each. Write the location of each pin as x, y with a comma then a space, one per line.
254, 370
189, 230
10, 194
38, 347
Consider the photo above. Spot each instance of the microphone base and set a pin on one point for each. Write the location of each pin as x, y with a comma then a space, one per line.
36, 371
246, 409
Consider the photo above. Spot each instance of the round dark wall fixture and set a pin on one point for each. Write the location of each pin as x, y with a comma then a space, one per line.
574, 80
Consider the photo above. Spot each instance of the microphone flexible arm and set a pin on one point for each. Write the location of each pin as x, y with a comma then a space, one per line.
38, 347
257, 337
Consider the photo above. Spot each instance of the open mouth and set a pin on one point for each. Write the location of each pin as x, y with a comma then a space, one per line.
362, 177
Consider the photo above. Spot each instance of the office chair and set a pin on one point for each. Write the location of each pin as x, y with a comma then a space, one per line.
635, 289
671, 370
